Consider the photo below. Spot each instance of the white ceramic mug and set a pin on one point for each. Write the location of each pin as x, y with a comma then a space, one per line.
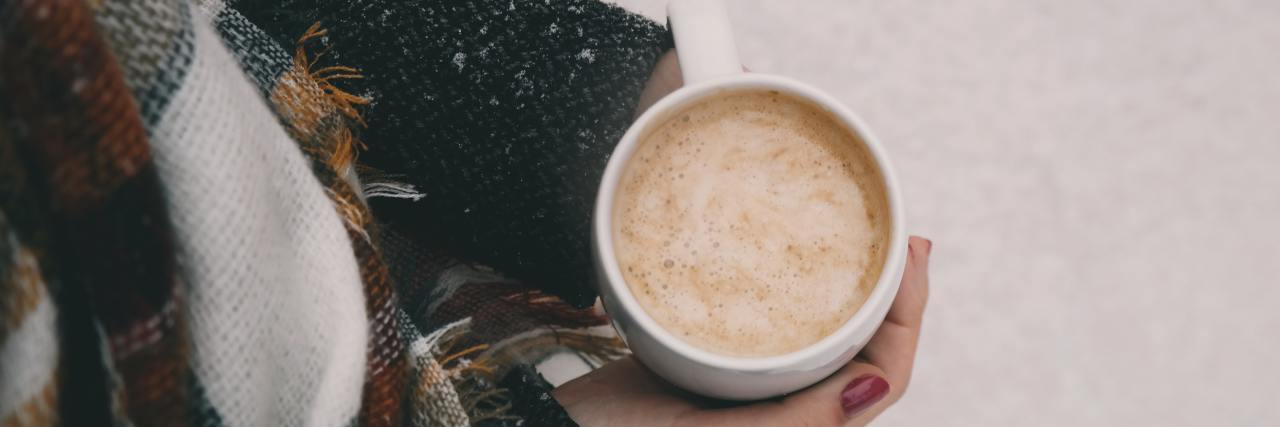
709, 64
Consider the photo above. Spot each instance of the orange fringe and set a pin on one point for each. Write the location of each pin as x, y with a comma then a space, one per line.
309, 94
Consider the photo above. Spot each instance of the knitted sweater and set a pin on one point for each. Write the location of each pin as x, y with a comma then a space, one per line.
500, 113
303, 212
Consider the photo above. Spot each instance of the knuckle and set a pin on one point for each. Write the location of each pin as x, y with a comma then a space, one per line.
832, 417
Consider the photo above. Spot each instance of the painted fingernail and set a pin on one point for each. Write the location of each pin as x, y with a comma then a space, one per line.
862, 393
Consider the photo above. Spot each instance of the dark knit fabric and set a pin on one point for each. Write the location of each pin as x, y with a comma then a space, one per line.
531, 393
499, 306
502, 112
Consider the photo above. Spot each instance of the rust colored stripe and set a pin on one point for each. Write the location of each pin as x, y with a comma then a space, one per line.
79, 129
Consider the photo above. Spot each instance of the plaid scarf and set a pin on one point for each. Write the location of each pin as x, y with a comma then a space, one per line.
186, 235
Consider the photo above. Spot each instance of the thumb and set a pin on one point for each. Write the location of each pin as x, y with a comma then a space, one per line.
850, 397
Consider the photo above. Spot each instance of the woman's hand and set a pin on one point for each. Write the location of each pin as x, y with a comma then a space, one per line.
626, 393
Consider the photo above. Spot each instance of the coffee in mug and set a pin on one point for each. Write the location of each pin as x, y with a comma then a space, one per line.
748, 234
751, 223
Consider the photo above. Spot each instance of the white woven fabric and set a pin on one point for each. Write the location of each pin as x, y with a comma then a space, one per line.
29, 355
276, 305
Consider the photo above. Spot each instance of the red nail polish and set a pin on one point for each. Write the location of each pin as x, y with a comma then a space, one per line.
861, 393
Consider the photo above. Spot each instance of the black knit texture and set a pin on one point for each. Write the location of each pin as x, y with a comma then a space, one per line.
503, 112
531, 401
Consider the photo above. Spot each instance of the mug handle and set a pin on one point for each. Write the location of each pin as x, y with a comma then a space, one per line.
704, 39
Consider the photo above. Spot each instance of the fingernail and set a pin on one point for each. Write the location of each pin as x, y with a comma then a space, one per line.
928, 246
862, 393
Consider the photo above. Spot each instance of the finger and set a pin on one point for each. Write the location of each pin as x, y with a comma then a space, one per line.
664, 79
913, 292
841, 399
893, 347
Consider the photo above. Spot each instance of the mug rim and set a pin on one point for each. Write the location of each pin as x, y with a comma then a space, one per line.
833, 344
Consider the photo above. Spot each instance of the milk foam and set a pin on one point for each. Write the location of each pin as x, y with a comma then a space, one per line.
751, 224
